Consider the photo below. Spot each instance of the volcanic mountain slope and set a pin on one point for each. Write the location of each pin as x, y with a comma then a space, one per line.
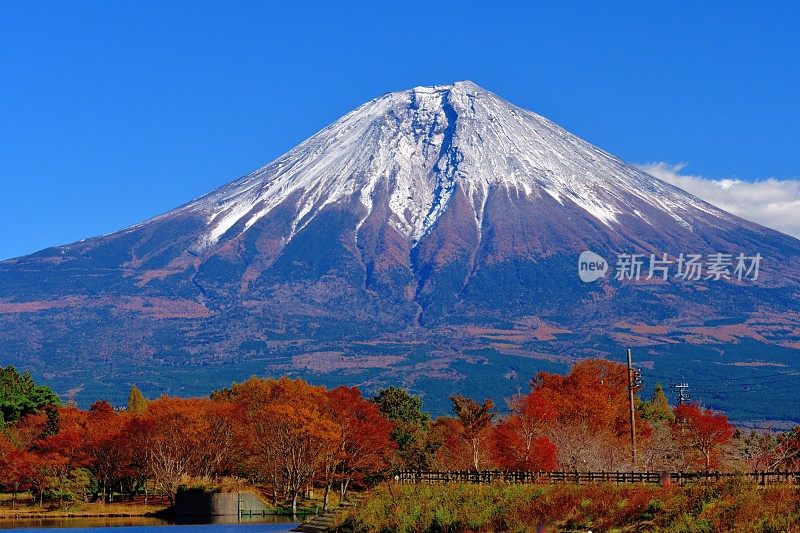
429, 237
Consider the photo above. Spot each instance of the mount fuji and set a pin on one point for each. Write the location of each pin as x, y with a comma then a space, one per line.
429, 238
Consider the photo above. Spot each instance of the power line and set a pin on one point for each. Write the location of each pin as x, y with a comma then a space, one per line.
763, 385
788, 375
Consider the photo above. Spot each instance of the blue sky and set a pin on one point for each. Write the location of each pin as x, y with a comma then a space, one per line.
111, 112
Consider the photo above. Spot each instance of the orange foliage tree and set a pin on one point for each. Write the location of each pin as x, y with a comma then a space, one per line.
290, 434
15, 468
365, 445
520, 441
593, 421
475, 424
173, 434
102, 444
59, 452
453, 452
701, 431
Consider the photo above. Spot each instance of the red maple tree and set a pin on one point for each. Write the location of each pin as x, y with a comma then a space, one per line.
702, 431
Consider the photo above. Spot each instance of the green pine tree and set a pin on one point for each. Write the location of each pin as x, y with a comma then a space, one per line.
20, 396
657, 410
137, 403
415, 443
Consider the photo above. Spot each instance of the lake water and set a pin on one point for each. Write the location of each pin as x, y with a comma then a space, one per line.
148, 525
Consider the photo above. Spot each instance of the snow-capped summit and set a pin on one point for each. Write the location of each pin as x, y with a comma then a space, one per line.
421, 144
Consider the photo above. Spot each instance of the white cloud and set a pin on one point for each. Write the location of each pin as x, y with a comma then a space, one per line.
774, 203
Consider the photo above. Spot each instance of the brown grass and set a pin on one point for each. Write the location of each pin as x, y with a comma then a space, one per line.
26, 508
733, 505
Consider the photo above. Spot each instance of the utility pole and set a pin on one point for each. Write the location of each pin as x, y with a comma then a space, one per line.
632, 410
683, 392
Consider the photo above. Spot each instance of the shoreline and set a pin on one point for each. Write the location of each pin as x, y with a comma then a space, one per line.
112, 511
77, 515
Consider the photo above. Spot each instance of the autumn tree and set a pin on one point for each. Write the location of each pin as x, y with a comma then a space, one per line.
476, 421
701, 431
787, 450
172, 434
290, 430
64, 451
760, 450
44, 463
302, 438
453, 452
27, 430
106, 456
593, 428
133, 473
15, 469
520, 440
137, 404
221, 452
66, 436
49, 469
61, 456
365, 446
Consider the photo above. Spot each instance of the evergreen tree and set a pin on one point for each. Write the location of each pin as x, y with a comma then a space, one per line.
399, 405
657, 410
20, 396
53, 425
137, 404
416, 444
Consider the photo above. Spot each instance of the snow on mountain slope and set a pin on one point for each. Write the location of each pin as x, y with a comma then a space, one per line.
426, 140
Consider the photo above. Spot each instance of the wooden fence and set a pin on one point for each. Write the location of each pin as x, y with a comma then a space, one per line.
579, 478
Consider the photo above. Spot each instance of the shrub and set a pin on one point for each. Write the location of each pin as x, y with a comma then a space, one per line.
73, 488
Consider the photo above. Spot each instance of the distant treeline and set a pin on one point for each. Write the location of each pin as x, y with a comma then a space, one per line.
287, 436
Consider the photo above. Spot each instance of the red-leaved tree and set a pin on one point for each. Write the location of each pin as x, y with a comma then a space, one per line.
520, 440
701, 431
365, 443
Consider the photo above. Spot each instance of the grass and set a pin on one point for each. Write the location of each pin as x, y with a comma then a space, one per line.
732, 505
82, 510
27, 508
